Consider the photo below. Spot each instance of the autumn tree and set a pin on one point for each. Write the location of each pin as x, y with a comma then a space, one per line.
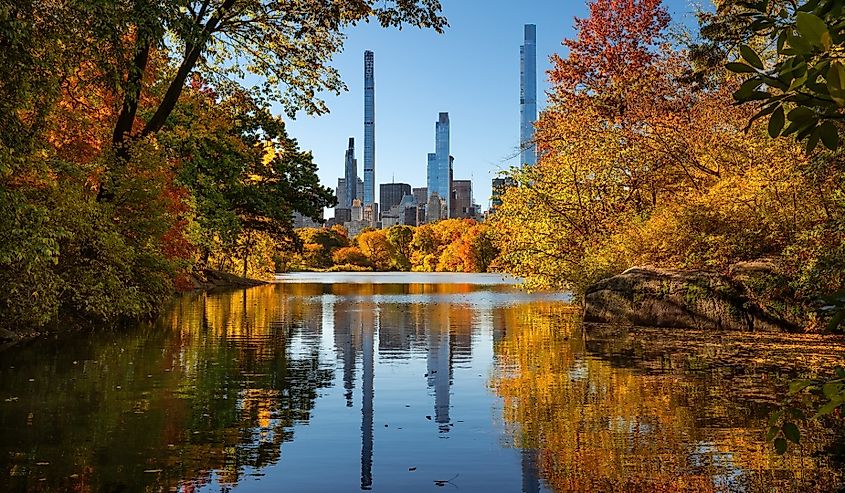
376, 247
400, 238
641, 164
350, 255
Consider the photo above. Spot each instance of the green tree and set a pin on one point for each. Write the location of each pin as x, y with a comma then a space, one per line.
400, 238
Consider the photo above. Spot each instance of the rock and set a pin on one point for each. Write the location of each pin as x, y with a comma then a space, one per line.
210, 279
651, 297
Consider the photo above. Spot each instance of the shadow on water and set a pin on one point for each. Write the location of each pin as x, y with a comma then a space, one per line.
396, 386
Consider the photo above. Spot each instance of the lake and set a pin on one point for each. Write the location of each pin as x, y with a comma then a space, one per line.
404, 382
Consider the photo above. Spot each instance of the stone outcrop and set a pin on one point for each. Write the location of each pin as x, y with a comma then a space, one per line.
210, 279
652, 297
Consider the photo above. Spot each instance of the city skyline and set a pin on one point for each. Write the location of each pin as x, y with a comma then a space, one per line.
480, 92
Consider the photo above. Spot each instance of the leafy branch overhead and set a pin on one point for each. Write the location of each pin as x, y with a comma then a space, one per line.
287, 44
798, 77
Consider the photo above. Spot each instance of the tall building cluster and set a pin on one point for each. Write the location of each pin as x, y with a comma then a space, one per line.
399, 203
443, 197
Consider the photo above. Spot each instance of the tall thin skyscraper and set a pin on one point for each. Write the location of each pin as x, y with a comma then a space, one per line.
351, 175
439, 162
528, 96
369, 130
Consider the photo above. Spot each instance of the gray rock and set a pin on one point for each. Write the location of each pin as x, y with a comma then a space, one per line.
651, 297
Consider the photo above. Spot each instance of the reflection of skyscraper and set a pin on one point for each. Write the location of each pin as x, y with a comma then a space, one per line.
347, 323
528, 96
368, 356
369, 130
439, 365
530, 471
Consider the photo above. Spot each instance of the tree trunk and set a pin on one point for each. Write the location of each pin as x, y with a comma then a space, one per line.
247, 246
192, 55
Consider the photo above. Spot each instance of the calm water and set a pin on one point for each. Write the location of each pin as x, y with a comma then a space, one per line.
341, 383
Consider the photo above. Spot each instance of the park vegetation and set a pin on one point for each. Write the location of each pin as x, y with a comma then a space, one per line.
645, 158
695, 154
133, 156
451, 245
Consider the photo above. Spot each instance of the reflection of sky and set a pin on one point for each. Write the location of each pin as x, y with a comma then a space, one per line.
708, 456
427, 359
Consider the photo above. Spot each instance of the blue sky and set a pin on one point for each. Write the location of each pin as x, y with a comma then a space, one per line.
471, 71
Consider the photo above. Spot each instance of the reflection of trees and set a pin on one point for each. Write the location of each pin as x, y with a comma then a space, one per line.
214, 387
607, 427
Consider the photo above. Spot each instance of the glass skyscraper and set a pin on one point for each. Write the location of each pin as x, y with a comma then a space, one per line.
439, 162
528, 96
369, 130
351, 175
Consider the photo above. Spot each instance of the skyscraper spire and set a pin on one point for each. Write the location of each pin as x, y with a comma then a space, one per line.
528, 96
369, 130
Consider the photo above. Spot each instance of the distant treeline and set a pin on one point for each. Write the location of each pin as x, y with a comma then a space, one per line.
452, 245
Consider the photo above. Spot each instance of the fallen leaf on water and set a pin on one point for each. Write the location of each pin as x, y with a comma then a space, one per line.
42, 463
412, 468
428, 418
152, 470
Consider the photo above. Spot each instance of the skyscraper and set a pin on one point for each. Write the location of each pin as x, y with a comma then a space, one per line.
390, 194
439, 162
351, 175
461, 199
528, 96
369, 130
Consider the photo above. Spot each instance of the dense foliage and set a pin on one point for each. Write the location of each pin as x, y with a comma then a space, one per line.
646, 160
132, 157
451, 245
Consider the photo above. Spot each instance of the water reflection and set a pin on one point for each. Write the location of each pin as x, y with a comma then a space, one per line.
387, 387
651, 410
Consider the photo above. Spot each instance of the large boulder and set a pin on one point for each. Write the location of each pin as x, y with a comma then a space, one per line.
647, 296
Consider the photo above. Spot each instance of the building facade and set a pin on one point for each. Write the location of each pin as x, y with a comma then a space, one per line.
350, 178
391, 194
440, 162
462, 206
528, 96
369, 129
420, 195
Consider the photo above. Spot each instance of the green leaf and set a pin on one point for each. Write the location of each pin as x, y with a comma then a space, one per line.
780, 446
747, 89
751, 57
772, 433
791, 432
835, 78
798, 385
775, 417
800, 114
776, 122
740, 68
827, 408
813, 141
813, 29
829, 135
831, 390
